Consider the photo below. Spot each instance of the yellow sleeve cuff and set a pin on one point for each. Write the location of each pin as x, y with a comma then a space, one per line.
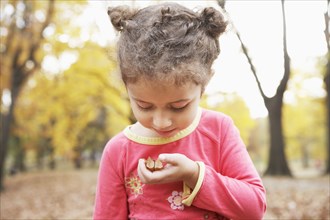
188, 196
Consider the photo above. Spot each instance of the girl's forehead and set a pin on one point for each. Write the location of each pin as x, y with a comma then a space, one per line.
151, 92
158, 85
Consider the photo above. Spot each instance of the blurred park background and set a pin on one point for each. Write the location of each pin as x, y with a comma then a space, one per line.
62, 100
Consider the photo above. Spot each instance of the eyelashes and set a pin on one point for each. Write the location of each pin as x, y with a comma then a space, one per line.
174, 109
179, 109
143, 108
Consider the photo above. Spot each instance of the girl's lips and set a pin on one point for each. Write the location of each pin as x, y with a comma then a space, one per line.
168, 133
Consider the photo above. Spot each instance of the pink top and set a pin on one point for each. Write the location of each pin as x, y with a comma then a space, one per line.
228, 186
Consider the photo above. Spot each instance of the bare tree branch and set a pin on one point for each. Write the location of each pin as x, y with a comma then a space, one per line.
282, 87
221, 3
326, 30
277, 164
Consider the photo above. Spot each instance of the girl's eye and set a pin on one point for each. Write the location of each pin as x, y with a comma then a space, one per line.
179, 108
144, 107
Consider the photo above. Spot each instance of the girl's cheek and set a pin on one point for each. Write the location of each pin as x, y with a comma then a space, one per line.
142, 117
182, 121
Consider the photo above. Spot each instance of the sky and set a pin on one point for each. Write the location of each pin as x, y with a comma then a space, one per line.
260, 26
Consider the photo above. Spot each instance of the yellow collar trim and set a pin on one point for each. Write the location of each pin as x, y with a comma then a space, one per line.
163, 140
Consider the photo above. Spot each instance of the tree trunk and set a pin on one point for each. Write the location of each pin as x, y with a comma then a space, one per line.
51, 154
40, 156
19, 156
92, 157
52, 162
277, 162
6, 122
327, 84
77, 158
18, 73
5, 127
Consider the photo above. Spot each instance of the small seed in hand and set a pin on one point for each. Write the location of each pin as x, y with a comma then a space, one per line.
153, 165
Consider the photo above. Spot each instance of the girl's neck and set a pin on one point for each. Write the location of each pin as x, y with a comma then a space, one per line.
140, 130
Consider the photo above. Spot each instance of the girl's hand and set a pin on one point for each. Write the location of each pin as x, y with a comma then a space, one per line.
178, 168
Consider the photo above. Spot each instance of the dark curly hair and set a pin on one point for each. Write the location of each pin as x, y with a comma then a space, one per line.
167, 42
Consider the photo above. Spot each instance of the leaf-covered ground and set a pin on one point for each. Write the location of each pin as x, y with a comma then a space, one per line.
70, 195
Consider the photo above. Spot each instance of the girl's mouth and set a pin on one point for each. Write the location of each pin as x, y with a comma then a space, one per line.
167, 133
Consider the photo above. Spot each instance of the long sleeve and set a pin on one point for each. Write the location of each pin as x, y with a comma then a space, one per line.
236, 190
111, 198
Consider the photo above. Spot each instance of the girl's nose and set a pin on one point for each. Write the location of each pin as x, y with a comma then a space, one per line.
161, 122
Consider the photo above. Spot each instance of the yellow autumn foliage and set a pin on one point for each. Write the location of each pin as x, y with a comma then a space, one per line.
64, 106
234, 106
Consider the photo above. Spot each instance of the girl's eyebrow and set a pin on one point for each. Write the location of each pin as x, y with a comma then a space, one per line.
139, 100
181, 100
178, 101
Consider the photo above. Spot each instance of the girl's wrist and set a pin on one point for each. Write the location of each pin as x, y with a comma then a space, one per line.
192, 175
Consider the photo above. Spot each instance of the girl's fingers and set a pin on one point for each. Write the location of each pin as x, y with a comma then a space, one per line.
173, 159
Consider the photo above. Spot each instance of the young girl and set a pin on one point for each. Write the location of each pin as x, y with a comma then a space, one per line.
166, 53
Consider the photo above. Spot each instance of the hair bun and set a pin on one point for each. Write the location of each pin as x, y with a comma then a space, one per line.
119, 15
213, 22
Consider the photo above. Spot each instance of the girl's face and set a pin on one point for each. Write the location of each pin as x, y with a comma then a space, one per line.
163, 110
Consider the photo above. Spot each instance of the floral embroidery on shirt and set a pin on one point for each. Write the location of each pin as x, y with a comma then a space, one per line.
176, 200
134, 184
